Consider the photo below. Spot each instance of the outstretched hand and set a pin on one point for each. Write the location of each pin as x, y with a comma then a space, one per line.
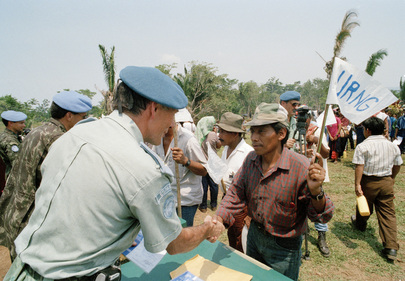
216, 228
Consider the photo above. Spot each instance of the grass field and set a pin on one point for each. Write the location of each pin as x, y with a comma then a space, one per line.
355, 255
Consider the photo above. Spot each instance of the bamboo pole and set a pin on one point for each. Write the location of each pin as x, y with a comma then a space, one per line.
176, 167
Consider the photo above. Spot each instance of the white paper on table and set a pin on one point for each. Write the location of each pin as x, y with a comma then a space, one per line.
397, 141
142, 258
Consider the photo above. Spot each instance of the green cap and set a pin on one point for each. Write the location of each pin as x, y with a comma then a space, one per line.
231, 122
269, 113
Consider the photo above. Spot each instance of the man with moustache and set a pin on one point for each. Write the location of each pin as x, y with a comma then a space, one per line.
234, 153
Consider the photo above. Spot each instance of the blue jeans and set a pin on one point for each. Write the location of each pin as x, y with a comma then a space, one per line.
207, 181
282, 254
188, 213
321, 226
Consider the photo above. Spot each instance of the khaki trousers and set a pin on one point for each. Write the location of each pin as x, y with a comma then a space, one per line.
379, 192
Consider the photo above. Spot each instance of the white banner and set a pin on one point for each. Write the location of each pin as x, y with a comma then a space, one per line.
358, 95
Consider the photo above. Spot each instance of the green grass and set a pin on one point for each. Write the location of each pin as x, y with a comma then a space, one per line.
355, 255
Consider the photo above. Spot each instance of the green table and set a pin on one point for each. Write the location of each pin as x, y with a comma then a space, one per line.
216, 252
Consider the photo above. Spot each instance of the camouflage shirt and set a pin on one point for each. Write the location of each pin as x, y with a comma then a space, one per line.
9, 148
17, 201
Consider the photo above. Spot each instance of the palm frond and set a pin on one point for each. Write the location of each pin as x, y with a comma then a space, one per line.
375, 60
108, 66
348, 24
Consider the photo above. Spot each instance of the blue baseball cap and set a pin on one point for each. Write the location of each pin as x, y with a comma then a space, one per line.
13, 116
72, 101
290, 95
152, 84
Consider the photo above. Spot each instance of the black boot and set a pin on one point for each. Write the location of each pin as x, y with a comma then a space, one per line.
323, 247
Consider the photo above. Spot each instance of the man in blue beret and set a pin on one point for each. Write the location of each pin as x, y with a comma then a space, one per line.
290, 100
17, 201
101, 184
10, 138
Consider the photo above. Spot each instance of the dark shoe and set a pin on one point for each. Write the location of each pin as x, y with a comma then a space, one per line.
323, 247
390, 254
214, 208
353, 218
202, 210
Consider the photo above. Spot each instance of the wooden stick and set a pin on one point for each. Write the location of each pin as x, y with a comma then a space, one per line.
176, 167
223, 186
325, 115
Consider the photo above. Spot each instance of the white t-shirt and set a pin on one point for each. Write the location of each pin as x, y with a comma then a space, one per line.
235, 160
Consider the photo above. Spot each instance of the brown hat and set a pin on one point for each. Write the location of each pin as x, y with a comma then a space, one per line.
231, 122
269, 113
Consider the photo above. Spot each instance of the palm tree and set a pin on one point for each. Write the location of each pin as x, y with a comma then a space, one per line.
402, 89
375, 61
109, 76
348, 25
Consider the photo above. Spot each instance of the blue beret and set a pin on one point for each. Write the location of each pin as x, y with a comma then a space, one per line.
290, 95
72, 101
13, 116
152, 84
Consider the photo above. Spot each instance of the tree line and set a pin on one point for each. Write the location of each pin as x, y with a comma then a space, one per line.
208, 92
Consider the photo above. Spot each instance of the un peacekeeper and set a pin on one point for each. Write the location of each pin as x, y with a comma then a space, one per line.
10, 138
290, 100
101, 184
17, 201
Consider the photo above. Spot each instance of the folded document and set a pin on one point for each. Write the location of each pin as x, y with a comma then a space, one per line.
209, 271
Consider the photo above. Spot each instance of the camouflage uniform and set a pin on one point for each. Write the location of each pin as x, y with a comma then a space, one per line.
9, 147
17, 201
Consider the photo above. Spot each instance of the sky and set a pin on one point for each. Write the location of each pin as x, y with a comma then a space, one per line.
48, 46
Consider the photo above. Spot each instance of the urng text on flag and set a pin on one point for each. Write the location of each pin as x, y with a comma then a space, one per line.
358, 95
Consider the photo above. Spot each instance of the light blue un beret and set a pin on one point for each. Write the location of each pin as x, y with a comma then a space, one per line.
290, 95
152, 84
72, 101
13, 116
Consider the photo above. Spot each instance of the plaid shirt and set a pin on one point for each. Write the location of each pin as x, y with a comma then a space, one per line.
279, 200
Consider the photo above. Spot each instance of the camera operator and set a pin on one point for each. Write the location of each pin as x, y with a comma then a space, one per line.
290, 100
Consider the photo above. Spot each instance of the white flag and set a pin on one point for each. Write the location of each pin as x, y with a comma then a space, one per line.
358, 95
330, 119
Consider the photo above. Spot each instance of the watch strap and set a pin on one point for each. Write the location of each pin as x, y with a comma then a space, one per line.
318, 196
187, 163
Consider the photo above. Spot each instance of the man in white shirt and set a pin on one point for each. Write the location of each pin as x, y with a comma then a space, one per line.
378, 161
234, 153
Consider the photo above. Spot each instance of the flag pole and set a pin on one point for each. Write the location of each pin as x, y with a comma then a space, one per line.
176, 168
325, 115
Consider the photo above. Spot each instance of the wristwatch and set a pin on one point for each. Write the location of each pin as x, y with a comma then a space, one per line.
318, 196
187, 163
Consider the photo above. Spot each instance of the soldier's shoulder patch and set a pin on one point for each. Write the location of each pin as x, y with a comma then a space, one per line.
14, 148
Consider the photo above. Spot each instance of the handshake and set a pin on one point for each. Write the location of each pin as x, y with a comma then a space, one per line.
215, 227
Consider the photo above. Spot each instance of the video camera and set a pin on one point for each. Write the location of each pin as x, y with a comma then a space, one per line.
303, 115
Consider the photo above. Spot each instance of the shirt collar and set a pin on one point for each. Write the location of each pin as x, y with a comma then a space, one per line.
58, 123
127, 124
282, 163
375, 137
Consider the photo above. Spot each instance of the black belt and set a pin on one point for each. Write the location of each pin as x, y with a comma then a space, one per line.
37, 276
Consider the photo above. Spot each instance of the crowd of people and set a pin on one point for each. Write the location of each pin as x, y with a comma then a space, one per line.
146, 164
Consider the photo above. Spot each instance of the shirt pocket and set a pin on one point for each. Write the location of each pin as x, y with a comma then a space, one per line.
283, 214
